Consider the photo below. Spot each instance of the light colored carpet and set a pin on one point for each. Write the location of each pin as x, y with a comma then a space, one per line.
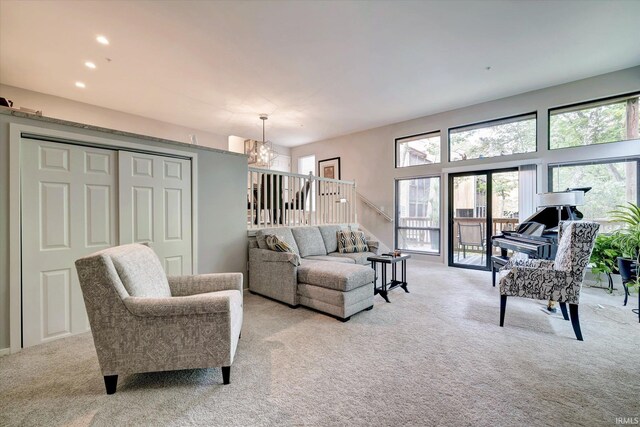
435, 356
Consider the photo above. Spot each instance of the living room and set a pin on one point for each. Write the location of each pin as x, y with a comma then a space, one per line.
399, 98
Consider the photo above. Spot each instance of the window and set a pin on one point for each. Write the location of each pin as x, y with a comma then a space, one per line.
599, 122
421, 149
502, 137
307, 165
418, 214
613, 183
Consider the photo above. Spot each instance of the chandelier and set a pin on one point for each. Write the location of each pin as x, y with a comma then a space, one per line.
265, 153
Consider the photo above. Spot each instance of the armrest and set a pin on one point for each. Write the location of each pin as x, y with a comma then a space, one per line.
373, 245
203, 283
267, 255
539, 271
542, 283
213, 303
534, 263
533, 276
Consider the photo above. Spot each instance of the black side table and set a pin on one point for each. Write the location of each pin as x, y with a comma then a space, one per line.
385, 287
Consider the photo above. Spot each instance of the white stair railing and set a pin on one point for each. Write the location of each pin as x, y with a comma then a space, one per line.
375, 208
288, 199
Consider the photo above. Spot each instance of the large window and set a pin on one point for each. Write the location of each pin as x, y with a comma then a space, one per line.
610, 120
495, 138
613, 183
418, 214
418, 150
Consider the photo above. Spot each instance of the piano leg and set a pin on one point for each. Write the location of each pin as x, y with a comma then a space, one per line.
503, 306
575, 322
563, 308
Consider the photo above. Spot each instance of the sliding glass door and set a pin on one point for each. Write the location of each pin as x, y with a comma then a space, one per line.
481, 205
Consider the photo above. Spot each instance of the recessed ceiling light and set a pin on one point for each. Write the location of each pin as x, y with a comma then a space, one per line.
81, 85
102, 40
90, 64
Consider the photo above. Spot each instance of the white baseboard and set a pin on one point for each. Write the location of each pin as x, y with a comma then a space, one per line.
5, 351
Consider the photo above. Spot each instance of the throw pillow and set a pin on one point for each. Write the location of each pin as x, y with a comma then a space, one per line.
351, 242
276, 244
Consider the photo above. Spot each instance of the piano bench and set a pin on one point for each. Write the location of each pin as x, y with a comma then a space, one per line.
497, 262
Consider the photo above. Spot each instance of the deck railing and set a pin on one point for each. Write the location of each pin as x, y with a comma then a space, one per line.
287, 199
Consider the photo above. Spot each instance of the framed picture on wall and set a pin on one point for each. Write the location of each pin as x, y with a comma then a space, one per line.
328, 168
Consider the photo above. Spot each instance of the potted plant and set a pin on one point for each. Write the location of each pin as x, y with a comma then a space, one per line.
628, 241
604, 258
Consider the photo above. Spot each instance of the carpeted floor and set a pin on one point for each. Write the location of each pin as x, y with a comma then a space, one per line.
435, 356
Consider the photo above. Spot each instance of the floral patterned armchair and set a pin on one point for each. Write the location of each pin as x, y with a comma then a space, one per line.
559, 280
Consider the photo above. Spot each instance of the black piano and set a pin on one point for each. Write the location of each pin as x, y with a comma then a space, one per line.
536, 236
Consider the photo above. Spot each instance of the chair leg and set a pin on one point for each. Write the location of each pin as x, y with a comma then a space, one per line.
503, 307
575, 321
111, 383
563, 308
493, 275
226, 374
626, 293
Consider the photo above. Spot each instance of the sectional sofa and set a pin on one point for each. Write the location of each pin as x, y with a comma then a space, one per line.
315, 275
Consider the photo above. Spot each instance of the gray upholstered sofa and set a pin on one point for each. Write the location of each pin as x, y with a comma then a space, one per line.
315, 275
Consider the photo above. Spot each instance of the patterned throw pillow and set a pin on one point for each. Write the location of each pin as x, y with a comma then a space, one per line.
277, 244
351, 242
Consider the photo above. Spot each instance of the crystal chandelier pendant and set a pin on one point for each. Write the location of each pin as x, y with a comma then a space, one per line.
265, 148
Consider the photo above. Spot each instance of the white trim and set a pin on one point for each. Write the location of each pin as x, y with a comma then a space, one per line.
5, 351
15, 225
492, 166
194, 214
15, 249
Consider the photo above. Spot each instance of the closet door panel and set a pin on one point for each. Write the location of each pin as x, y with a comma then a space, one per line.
155, 207
68, 211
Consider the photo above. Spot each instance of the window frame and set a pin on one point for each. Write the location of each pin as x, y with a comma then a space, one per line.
421, 134
480, 124
572, 107
397, 228
636, 159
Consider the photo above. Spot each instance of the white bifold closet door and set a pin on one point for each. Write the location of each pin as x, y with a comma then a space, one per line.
77, 200
69, 199
155, 207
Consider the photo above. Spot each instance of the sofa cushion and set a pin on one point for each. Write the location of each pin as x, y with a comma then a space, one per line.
309, 241
352, 241
140, 271
283, 232
337, 298
330, 236
335, 275
358, 257
330, 258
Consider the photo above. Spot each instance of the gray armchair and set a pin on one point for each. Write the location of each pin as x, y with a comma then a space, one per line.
144, 321
559, 280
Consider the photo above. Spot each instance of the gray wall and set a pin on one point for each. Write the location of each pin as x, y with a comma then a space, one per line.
80, 112
368, 156
222, 229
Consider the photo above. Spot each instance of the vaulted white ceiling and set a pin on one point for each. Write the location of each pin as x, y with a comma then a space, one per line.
318, 68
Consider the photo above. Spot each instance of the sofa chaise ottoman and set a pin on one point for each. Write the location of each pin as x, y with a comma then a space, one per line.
315, 274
